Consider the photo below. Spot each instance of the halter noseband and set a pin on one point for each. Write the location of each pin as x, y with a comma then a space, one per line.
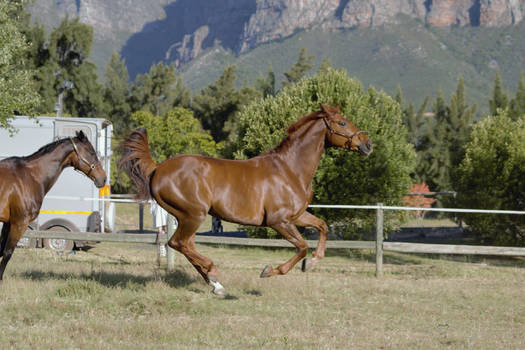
91, 165
348, 143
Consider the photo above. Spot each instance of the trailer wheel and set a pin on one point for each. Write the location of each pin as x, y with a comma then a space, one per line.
25, 242
59, 225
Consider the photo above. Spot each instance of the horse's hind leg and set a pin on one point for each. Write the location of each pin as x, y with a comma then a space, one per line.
182, 241
16, 230
309, 220
3, 237
290, 232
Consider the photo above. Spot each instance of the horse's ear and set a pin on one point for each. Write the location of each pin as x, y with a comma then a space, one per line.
325, 108
81, 136
338, 108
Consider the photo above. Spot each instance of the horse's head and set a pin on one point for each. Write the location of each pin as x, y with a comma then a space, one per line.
342, 133
85, 159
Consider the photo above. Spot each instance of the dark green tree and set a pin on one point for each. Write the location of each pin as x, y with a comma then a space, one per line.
117, 94
298, 71
445, 134
62, 59
517, 104
159, 90
217, 103
266, 85
17, 92
499, 96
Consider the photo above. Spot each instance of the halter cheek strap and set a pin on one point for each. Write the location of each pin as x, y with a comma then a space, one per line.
348, 143
91, 165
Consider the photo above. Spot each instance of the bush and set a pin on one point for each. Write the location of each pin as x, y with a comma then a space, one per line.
341, 178
492, 176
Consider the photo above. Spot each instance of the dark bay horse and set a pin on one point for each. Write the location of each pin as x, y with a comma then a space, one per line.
24, 181
273, 189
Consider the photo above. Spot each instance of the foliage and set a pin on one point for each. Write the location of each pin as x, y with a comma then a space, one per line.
297, 72
117, 93
517, 104
499, 96
492, 176
266, 85
217, 104
17, 93
342, 178
175, 132
440, 148
159, 90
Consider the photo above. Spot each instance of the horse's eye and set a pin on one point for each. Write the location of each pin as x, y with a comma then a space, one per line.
342, 123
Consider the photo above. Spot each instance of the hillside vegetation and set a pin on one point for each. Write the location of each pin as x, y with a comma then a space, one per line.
420, 59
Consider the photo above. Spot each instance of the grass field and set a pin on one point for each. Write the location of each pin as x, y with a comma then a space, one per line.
114, 297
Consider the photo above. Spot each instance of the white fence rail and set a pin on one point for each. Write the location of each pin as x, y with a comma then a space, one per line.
378, 245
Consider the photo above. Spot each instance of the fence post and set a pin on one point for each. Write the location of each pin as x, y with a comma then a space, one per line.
141, 217
170, 252
379, 240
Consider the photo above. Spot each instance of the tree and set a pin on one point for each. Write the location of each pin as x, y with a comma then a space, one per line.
175, 132
517, 104
17, 93
492, 176
266, 85
499, 96
297, 72
159, 90
117, 93
441, 147
341, 178
218, 102
62, 60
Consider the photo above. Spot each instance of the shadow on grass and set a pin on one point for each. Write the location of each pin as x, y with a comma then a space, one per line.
175, 279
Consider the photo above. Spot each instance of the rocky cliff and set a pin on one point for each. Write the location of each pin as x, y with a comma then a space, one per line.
178, 31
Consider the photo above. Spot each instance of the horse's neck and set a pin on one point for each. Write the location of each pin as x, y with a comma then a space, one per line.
305, 149
49, 166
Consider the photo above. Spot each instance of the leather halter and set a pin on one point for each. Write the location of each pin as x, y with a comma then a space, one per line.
348, 143
80, 157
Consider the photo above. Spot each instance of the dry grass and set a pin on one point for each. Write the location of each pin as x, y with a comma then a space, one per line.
114, 297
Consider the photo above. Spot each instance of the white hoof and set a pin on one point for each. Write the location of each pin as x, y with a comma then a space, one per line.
218, 289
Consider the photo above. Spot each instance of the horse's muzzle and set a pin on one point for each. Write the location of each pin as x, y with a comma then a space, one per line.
366, 148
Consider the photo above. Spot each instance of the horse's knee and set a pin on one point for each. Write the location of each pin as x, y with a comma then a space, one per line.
323, 229
302, 249
175, 244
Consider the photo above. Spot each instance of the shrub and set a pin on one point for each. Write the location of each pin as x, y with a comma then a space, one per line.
341, 178
492, 176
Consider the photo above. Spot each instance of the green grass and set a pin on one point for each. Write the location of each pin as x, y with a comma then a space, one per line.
114, 297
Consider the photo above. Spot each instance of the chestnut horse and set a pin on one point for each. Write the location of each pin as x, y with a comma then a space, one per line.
24, 181
273, 189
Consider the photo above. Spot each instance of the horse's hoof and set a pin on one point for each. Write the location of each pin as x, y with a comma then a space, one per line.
218, 289
306, 265
266, 271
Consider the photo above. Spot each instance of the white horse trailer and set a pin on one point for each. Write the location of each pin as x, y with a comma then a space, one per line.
74, 203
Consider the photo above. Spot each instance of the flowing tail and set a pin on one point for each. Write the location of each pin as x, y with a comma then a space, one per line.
137, 162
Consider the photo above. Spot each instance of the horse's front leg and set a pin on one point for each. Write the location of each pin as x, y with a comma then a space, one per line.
290, 232
309, 220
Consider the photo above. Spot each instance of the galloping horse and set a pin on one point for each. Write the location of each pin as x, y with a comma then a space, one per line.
24, 181
273, 189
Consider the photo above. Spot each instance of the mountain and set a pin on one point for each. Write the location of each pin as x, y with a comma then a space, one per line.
422, 45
